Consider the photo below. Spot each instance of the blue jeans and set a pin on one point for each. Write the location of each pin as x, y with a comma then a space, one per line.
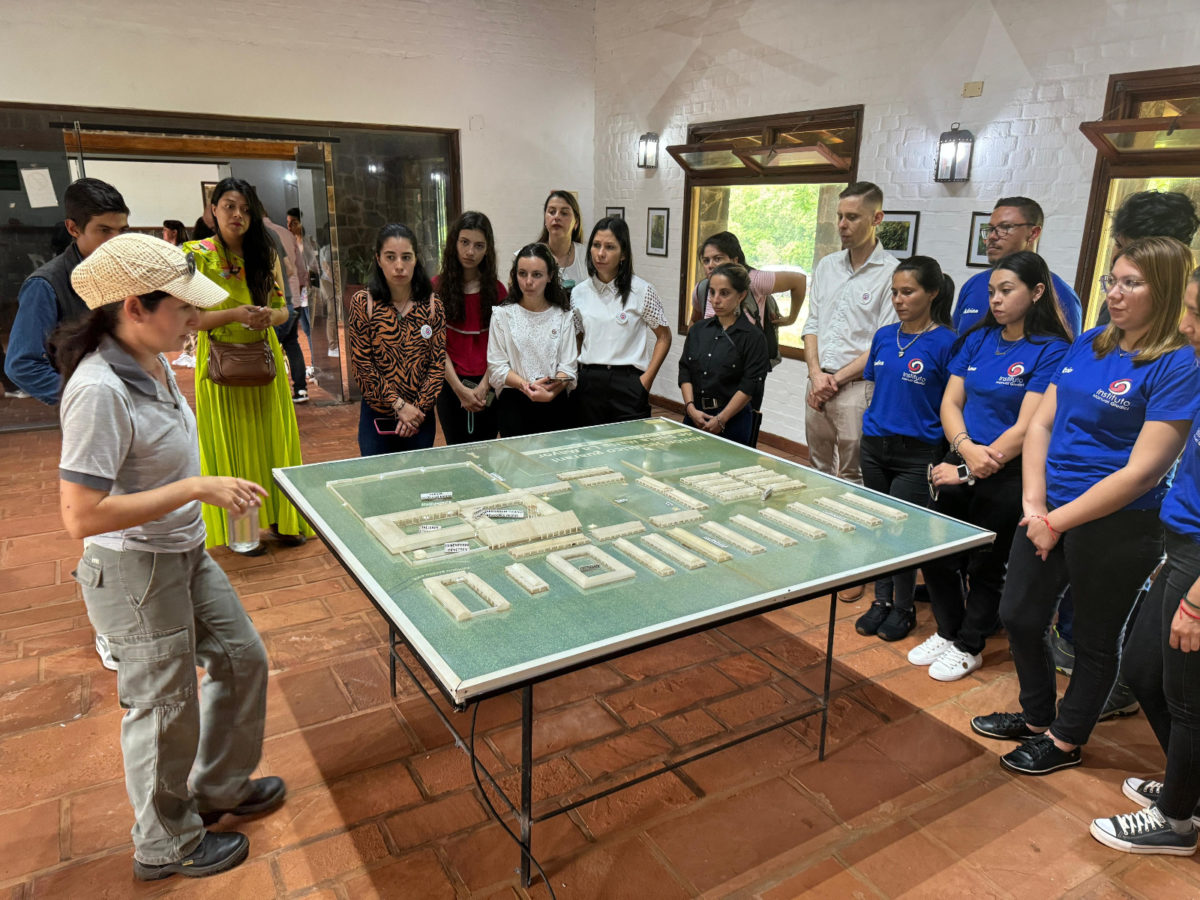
372, 443
164, 614
1167, 682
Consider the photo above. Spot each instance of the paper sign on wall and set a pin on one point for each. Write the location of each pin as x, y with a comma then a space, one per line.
38, 187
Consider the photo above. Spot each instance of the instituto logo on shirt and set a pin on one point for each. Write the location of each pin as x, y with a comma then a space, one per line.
1014, 376
1114, 396
913, 372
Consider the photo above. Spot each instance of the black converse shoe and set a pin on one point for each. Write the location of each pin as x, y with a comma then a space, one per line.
1004, 727
868, 623
1039, 756
1144, 831
1145, 793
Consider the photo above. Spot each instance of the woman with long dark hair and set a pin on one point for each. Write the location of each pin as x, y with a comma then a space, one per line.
562, 232
245, 431
1096, 456
625, 331
469, 290
131, 487
909, 363
174, 232
532, 348
724, 247
1000, 369
397, 332
724, 361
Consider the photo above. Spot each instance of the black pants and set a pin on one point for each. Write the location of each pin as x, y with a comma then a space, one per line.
372, 443
610, 394
290, 343
898, 466
1167, 682
964, 616
1105, 562
516, 414
460, 426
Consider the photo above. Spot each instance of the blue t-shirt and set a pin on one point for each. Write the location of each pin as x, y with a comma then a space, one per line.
1101, 407
908, 389
973, 303
997, 375
1181, 508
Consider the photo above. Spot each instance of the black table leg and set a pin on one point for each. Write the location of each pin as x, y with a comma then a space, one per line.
833, 602
526, 782
393, 644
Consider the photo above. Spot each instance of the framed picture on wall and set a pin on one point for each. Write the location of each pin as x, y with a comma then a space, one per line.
658, 220
898, 233
976, 242
206, 192
618, 211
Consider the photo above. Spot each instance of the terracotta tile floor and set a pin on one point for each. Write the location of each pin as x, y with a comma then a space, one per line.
908, 802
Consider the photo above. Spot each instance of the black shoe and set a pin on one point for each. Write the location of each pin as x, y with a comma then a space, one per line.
299, 395
898, 624
288, 540
1063, 653
265, 795
217, 852
1121, 702
921, 593
1144, 831
868, 623
1004, 727
1039, 756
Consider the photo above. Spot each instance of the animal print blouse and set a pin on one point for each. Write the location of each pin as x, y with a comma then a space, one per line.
393, 357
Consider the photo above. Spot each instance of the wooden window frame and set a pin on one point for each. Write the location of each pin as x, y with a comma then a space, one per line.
767, 128
1125, 93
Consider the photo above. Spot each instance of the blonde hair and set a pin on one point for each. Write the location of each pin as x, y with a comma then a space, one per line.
1166, 264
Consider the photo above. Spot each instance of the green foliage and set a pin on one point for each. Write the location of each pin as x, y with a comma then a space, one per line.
776, 224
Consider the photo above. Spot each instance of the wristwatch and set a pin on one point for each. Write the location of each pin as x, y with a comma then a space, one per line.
964, 474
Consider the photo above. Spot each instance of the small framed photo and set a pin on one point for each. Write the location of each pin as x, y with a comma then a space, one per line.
618, 211
977, 243
658, 220
898, 233
206, 192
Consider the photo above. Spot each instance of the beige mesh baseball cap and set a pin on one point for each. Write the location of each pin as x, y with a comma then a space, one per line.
131, 264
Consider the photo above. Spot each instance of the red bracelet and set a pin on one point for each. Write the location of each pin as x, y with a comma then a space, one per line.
1048, 526
1190, 615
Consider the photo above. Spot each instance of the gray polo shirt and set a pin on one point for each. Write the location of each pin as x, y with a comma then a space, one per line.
124, 432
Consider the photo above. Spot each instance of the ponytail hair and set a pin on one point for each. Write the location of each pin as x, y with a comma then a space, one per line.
933, 280
74, 340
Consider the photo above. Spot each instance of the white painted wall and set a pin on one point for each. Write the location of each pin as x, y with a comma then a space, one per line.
664, 66
514, 76
154, 191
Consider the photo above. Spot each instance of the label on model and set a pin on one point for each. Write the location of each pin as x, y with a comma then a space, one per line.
437, 495
456, 547
429, 528
500, 513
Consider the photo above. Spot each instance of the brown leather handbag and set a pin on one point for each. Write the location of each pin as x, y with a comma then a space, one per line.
240, 365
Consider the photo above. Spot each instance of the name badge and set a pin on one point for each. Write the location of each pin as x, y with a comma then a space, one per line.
426, 332
622, 317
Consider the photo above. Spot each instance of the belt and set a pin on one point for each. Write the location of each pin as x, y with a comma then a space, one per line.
707, 403
597, 367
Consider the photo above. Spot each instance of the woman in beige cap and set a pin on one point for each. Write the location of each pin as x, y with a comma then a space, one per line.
131, 488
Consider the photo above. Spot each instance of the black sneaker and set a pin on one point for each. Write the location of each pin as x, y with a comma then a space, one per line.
868, 623
1004, 727
898, 624
300, 396
1145, 793
1039, 756
217, 852
265, 795
1063, 653
1144, 831
1121, 702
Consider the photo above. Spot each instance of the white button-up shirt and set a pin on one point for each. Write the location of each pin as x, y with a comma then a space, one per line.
616, 334
846, 308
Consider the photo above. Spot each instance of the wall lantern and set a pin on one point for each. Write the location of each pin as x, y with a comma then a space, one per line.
648, 151
954, 155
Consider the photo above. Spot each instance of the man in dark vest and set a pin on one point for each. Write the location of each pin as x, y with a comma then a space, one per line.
95, 212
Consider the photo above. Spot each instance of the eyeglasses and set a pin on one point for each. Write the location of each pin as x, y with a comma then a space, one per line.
1003, 231
1125, 285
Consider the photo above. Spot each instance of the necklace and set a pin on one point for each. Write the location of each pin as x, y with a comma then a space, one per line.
1011, 344
905, 347
232, 269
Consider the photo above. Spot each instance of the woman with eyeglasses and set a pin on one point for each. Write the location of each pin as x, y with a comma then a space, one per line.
909, 364
998, 374
1162, 662
1114, 419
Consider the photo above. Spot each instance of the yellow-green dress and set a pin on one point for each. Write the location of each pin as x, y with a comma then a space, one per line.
244, 431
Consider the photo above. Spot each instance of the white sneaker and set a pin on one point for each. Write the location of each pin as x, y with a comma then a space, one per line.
106, 657
18, 394
310, 373
927, 652
185, 360
333, 352
954, 664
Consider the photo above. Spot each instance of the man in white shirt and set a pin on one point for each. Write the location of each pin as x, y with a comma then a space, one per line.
849, 300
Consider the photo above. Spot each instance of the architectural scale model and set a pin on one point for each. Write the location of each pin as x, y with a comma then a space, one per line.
701, 546
777, 537
849, 512
811, 532
716, 529
638, 555
819, 516
670, 549
623, 529
440, 587
526, 578
610, 569
888, 512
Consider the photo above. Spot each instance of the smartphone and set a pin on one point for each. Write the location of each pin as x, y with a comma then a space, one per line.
386, 426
